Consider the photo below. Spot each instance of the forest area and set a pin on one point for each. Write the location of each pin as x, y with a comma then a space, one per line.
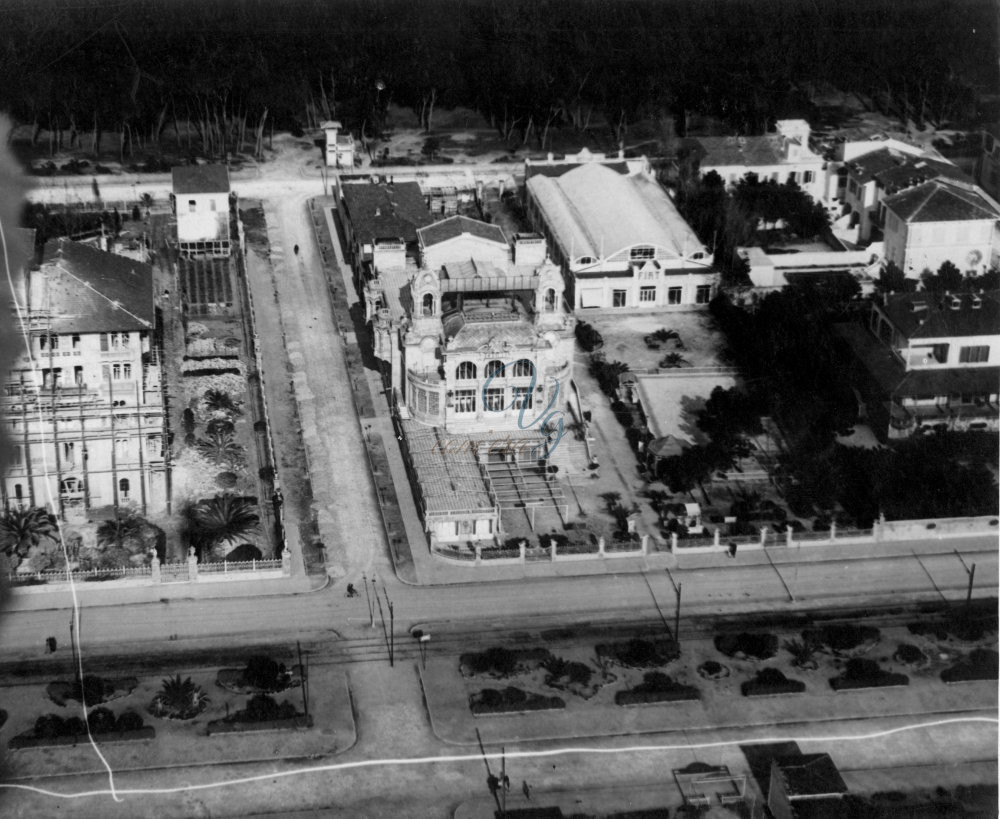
145, 69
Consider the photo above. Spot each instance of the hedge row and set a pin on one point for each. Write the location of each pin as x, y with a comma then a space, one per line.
511, 700
220, 726
760, 646
866, 674
683, 693
981, 664
211, 371
28, 740
770, 681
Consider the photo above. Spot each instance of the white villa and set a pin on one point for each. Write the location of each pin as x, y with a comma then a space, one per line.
201, 203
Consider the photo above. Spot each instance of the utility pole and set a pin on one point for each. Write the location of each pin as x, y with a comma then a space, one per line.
371, 611
677, 617
392, 632
491, 781
305, 681
972, 578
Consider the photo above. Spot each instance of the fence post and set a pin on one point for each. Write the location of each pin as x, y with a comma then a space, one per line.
716, 537
521, 546
192, 565
154, 569
644, 545
479, 555
552, 549
601, 545
673, 541
286, 562
763, 536
788, 536
833, 530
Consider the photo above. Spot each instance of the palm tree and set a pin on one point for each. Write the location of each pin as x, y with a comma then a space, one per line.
224, 519
221, 401
222, 448
178, 699
124, 527
20, 529
673, 360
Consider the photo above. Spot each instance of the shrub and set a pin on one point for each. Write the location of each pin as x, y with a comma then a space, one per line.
74, 727
981, 664
263, 673
842, 637
261, 708
266, 473
908, 655
225, 480
637, 653
492, 701
573, 673
222, 426
496, 660
588, 338
189, 423
656, 687
759, 646
101, 721
860, 673
771, 681
129, 721
49, 726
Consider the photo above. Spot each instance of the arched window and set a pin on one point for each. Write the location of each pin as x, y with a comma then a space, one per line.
494, 369
550, 300
428, 304
466, 371
18, 491
69, 485
523, 368
123, 486
642, 252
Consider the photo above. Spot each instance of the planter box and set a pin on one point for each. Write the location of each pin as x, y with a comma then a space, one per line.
749, 689
29, 741
888, 681
295, 723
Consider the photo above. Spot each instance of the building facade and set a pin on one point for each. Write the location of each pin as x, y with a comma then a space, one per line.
782, 157
201, 204
930, 361
620, 240
942, 221
339, 147
988, 162
84, 411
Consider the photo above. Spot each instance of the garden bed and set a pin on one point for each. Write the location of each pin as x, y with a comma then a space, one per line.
639, 653
222, 726
843, 638
53, 729
866, 674
511, 700
261, 675
95, 689
503, 662
28, 740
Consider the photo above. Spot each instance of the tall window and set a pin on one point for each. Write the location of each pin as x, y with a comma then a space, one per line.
48, 342
807, 177
493, 399
121, 448
17, 456
123, 488
428, 304
703, 294
647, 295
523, 368
642, 252
78, 376
974, 355
494, 369
69, 486
466, 371
522, 398
465, 400
550, 300
76, 342
153, 446
192, 206
674, 295
69, 453
211, 205
18, 491
618, 298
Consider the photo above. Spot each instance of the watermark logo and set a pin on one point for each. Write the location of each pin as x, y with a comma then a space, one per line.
549, 420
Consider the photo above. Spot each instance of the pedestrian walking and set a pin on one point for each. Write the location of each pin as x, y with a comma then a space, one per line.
526, 789
50, 645
296, 250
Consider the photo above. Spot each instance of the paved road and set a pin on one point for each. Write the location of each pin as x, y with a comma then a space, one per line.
732, 588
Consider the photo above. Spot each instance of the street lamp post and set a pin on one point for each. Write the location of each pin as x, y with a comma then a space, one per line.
371, 609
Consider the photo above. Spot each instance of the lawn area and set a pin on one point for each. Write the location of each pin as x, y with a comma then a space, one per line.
624, 337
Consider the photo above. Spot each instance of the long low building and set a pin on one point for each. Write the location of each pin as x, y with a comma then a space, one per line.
619, 238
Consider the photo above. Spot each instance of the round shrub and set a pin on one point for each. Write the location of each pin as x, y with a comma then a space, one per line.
101, 720
49, 726
222, 426
129, 721
262, 673
225, 480
908, 654
74, 727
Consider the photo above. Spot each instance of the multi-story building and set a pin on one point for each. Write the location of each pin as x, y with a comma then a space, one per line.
620, 240
930, 361
201, 204
784, 156
83, 404
339, 147
942, 221
876, 170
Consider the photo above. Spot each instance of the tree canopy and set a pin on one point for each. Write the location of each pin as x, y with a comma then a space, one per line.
138, 67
